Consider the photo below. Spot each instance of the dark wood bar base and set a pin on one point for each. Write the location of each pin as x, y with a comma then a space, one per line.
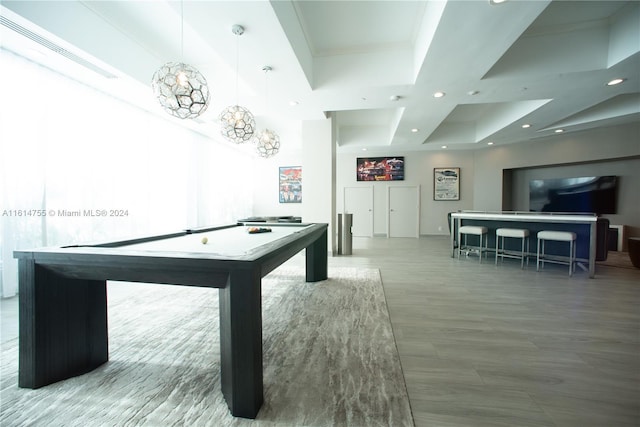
584, 225
634, 251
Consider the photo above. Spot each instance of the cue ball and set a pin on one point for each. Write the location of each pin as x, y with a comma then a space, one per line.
204, 240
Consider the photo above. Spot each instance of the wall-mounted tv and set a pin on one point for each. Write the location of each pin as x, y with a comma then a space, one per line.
380, 168
596, 194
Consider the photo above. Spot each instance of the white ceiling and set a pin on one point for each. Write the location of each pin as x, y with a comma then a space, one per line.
545, 63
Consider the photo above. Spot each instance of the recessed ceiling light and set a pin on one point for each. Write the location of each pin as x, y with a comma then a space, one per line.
414, 130
473, 92
490, 143
496, 1
615, 82
526, 125
293, 103
438, 94
444, 146
394, 97
559, 130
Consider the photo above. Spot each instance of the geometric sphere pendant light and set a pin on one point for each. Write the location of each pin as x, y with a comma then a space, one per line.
237, 123
267, 143
181, 90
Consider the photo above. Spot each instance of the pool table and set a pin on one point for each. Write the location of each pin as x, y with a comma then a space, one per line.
63, 297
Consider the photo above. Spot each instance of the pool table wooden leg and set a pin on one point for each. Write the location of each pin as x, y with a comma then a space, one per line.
63, 325
241, 342
316, 259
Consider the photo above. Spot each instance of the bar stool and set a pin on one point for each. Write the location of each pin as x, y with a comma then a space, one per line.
516, 233
475, 230
558, 236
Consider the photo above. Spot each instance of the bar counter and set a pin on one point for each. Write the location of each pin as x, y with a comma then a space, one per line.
584, 225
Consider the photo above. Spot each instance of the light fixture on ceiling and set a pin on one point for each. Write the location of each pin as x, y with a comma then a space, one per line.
496, 1
180, 88
439, 94
394, 98
615, 81
293, 103
415, 130
490, 143
238, 124
267, 141
444, 146
559, 130
526, 126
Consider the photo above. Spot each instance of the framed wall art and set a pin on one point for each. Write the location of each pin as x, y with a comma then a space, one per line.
380, 168
290, 185
446, 184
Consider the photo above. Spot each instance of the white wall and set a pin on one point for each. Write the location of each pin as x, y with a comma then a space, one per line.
419, 167
616, 142
481, 172
315, 155
266, 201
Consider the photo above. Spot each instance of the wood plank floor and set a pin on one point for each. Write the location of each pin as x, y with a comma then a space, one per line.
486, 345
482, 345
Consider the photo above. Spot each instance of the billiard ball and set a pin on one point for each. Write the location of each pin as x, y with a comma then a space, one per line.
204, 240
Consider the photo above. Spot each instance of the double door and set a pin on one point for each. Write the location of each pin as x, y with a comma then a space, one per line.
396, 213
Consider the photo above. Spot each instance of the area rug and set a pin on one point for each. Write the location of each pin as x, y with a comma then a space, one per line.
330, 359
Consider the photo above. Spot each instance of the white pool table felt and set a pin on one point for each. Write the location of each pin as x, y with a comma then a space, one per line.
228, 241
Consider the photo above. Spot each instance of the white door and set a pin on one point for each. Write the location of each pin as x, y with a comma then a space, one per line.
359, 202
404, 211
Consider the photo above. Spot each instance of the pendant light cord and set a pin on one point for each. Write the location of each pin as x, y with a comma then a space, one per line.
238, 30
237, 66
182, 31
266, 70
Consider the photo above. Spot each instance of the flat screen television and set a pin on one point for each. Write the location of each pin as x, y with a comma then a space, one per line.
594, 194
380, 168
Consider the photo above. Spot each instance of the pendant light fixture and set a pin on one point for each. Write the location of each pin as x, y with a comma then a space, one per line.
180, 88
267, 141
238, 124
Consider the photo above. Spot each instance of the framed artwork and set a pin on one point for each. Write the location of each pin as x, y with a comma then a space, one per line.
290, 186
380, 168
446, 184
